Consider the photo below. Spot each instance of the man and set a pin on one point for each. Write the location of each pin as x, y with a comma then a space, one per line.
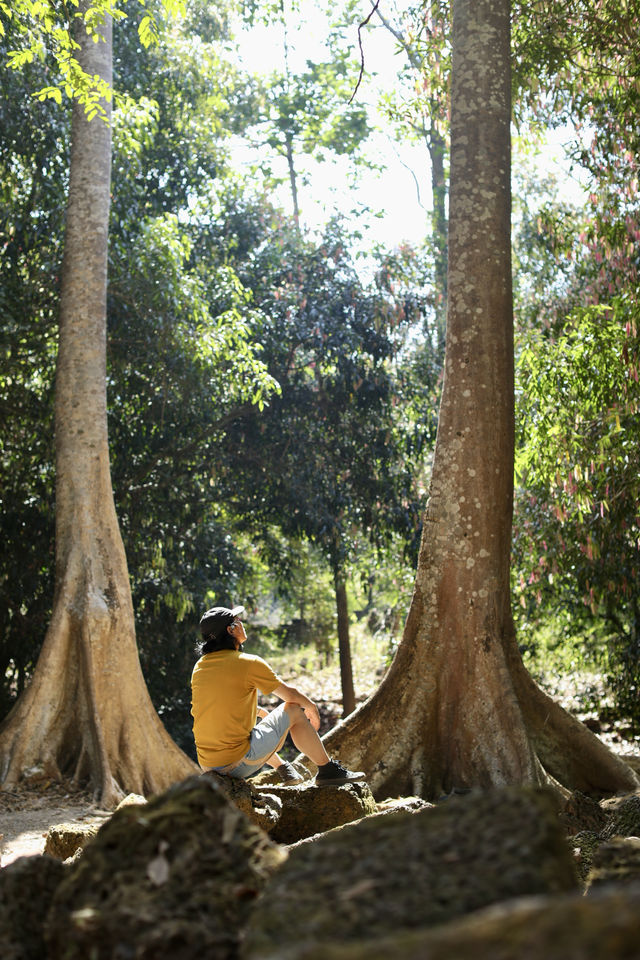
224, 689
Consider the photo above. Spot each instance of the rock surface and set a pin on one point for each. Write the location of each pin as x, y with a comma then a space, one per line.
171, 880
584, 845
538, 928
307, 810
582, 813
64, 839
409, 870
615, 861
625, 820
261, 807
27, 887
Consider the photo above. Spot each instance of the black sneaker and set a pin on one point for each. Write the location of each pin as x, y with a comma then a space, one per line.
332, 773
288, 774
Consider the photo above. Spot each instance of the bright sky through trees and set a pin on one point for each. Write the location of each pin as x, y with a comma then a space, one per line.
391, 204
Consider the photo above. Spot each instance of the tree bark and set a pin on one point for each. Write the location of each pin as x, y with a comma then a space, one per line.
344, 645
87, 712
437, 150
457, 708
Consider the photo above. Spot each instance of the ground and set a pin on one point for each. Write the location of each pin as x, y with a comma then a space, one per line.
27, 812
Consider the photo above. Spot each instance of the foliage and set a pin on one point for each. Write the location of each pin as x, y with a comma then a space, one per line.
324, 462
576, 545
44, 32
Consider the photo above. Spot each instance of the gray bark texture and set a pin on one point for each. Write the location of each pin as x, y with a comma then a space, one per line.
457, 708
87, 712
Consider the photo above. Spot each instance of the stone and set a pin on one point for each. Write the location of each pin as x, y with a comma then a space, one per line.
615, 861
27, 887
584, 845
408, 870
582, 813
383, 808
171, 880
624, 821
307, 810
132, 799
262, 807
394, 804
569, 927
63, 840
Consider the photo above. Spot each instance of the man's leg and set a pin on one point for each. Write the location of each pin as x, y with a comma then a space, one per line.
304, 736
308, 742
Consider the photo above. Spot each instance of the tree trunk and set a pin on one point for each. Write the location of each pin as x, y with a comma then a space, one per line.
87, 712
457, 708
344, 646
437, 151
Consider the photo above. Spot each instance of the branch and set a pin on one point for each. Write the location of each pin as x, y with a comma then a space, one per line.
360, 26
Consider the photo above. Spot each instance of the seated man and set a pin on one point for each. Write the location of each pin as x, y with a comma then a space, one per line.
224, 688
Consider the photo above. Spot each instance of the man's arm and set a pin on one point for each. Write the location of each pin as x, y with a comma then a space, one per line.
292, 695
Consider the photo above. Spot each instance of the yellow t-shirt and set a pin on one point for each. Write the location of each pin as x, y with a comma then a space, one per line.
224, 700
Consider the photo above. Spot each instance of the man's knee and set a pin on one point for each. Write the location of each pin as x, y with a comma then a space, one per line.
295, 712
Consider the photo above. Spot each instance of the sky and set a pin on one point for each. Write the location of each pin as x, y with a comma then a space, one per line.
393, 204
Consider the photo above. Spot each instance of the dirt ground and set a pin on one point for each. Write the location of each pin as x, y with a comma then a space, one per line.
27, 812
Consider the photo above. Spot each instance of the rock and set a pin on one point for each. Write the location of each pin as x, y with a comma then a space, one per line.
581, 813
384, 807
584, 845
569, 927
27, 887
262, 807
625, 819
64, 839
171, 880
131, 800
615, 861
308, 810
411, 804
408, 870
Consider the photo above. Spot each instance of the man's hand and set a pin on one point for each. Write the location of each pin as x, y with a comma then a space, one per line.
312, 715
292, 695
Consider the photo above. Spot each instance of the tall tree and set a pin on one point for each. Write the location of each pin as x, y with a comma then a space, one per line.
87, 711
457, 708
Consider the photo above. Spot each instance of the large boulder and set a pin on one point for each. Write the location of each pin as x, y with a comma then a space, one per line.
407, 870
27, 887
307, 810
569, 927
171, 880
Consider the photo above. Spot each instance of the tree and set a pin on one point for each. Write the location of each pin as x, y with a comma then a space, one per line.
457, 707
87, 710
327, 461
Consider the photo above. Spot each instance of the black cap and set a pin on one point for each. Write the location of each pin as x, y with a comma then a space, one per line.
216, 620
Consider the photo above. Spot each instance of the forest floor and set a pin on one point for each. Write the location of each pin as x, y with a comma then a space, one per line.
28, 811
